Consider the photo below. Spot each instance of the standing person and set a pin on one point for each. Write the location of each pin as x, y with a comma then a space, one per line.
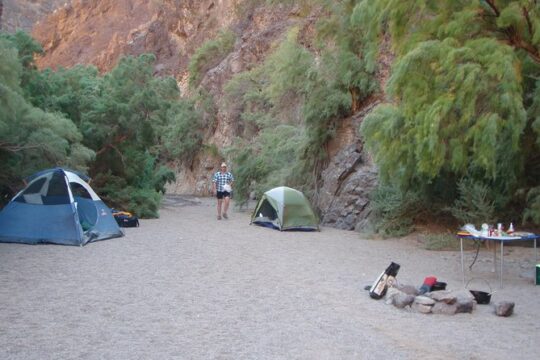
222, 187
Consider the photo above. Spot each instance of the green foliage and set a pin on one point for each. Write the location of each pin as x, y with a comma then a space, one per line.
394, 210
293, 87
325, 105
337, 85
145, 202
114, 190
412, 22
274, 86
244, 92
206, 107
137, 188
72, 92
133, 121
182, 136
462, 97
531, 145
211, 53
266, 163
459, 109
10, 66
475, 203
212, 150
445, 241
132, 104
243, 9
249, 171
30, 139
463, 104
122, 125
26, 47
162, 176
287, 69
532, 212
266, 99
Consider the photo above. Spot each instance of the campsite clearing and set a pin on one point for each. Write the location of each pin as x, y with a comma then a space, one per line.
186, 286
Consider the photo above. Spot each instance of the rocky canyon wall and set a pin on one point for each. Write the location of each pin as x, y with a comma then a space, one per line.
24, 14
100, 32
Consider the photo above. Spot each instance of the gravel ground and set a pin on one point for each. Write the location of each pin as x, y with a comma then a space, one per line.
187, 286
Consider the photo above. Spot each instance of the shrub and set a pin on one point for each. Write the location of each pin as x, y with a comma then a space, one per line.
532, 212
209, 55
474, 205
394, 210
441, 242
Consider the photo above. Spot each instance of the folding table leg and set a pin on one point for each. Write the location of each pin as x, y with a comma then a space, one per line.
535, 260
462, 268
494, 256
502, 262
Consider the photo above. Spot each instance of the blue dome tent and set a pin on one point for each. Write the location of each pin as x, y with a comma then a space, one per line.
59, 207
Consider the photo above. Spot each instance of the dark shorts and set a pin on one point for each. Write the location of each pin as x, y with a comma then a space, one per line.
223, 194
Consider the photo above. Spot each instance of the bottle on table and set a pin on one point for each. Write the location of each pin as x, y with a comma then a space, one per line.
485, 230
511, 229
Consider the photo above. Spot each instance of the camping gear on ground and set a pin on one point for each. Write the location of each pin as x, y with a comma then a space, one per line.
481, 297
125, 218
385, 280
284, 208
438, 286
427, 284
57, 206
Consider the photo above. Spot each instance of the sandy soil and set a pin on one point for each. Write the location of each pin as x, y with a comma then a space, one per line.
187, 286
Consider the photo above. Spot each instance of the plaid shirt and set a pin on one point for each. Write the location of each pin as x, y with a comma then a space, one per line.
221, 179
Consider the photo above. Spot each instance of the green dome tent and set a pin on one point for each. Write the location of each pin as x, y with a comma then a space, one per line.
284, 208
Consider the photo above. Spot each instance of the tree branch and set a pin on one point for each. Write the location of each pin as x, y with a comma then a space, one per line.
517, 42
512, 35
112, 145
493, 7
14, 148
529, 23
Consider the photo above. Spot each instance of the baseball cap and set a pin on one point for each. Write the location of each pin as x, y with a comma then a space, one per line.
223, 165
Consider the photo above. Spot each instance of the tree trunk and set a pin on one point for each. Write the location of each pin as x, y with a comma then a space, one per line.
1, 9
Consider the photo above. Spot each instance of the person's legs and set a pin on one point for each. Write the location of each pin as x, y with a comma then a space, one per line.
226, 201
219, 202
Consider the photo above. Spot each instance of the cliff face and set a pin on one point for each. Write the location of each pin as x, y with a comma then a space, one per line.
23, 14
99, 32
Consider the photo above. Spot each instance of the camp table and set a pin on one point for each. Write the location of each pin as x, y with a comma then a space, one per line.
501, 240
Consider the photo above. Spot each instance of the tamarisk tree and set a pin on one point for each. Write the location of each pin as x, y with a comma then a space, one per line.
462, 96
30, 138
